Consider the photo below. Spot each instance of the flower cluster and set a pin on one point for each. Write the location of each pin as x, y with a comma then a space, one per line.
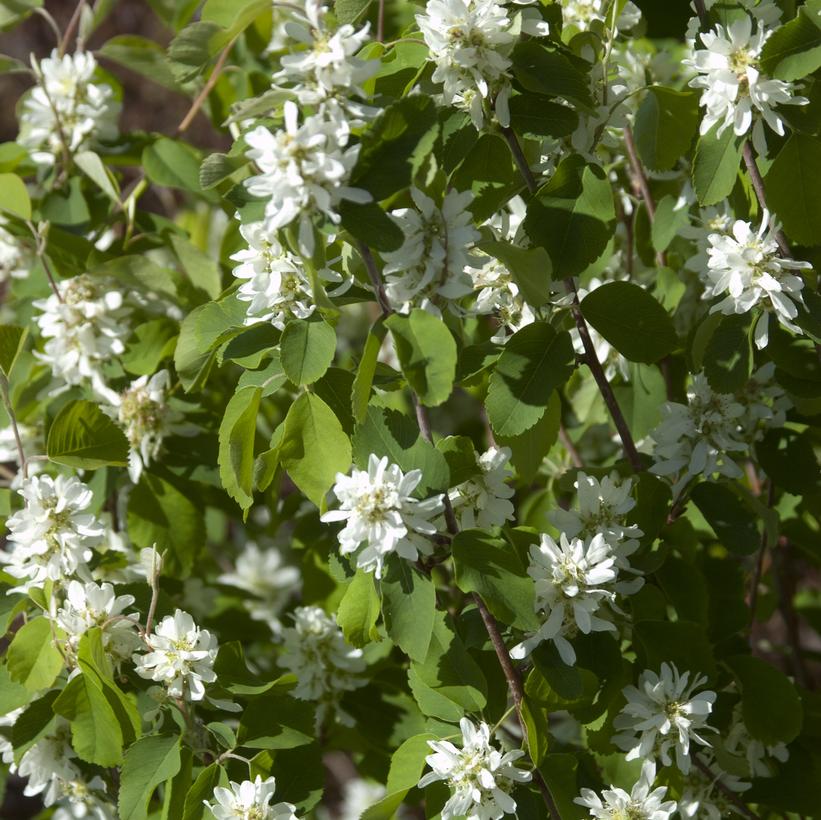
249, 800
642, 803
381, 514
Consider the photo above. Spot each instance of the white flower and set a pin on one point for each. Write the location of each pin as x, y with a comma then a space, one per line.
96, 605
570, 578
430, 264
734, 88
144, 412
276, 284
469, 41
740, 743
662, 715
263, 574
51, 536
695, 439
181, 655
303, 171
764, 401
581, 13
483, 501
702, 799
712, 220
67, 105
746, 269
499, 294
380, 513
249, 800
48, 764
316, 652
16, 260
80, 798
643, 803
357, 796
327, 68
84, 331
480, 777
6, 722
603, 506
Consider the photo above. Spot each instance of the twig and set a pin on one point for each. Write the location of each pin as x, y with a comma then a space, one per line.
568, 445
786, 592
40, 251
206, 89
758, 186
73, 23
380, 22
21, 454
722, 787
643, 184
759, 565
591, 359
376, 279
701, 10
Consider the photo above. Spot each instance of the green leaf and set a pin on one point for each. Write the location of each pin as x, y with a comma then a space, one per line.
728, 358
680, 642
36, 720
314, 447
394, 145
172, 164
151, 343
530, 269
148, 762
370, 224
571, 217
350, 11
236, 445
491, 567
359, 610
534, 363
142, 56
529, 449
83, 436
395, 435
733, 522
363, 381
92, 166
14, 198
95, 731
306, 350
791, 190
409, 608
666, 123
201, 332
535, 115
544, 71
407, 765
631, 320
233, 15
427, 352
202, 269
33, 660
201, 790
793, 50
11, 342
167, 511
769, 702
667, 223
715, 166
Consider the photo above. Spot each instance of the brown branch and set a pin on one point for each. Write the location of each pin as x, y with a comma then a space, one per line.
758, 186
73, 23
643, 184
568, 445
591, 359
206, 89
701, 11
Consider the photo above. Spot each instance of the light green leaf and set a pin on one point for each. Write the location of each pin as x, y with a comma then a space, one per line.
715, 166
534, 363
306, 350
359, 610
14, 197
33, 660
529, 449
95, 731
202, 269
665, 125
236, 445
668, 222
172, 164
148, 762
83, 436
427, 352
363, 381
793, 50
141, 55
201, 790
92, 166
631, 320
12, 339
314, 447
530, 269
350, 11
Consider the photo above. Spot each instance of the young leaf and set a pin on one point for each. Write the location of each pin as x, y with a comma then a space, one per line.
666, 123
12, 339
33, 660
359, 610
427, 353
14, 198
409, 608
715, 166
314, 447
148, 762
794, 49
236, 445
83, 436
306, 350
363, 381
